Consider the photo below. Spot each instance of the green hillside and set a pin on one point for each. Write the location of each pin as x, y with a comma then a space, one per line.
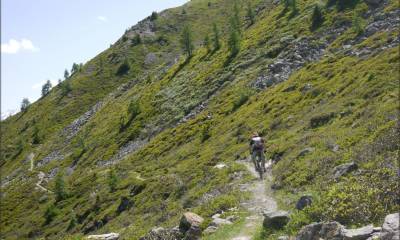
137, 139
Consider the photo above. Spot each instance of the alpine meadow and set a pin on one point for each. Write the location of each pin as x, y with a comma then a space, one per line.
150, 138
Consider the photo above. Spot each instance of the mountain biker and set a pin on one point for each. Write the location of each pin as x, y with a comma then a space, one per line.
257, 147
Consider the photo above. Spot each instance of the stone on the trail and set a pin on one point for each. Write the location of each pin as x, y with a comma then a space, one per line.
190, 225
232, 218
359, 233
276, 220
217, 222
210, 229
343, 169
390, 227
108, 236
306, 151
283, 238
220, 166
303, 202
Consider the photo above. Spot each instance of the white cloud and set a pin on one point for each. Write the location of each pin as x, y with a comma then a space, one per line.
14, 46
102, 18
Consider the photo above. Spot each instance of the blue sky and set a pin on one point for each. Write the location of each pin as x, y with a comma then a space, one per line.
41, 38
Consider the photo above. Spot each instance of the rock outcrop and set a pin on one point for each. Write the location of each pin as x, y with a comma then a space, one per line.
343, 169
108, 236
190, 225
275, 220
336, 231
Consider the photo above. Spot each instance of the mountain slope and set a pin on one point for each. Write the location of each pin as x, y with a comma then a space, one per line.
331, 90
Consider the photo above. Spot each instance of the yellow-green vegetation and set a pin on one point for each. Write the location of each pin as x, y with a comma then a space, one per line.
339, 100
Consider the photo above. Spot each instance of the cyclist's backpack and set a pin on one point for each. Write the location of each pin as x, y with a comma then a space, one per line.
258, 143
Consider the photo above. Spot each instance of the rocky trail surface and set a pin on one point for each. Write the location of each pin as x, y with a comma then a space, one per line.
261, 200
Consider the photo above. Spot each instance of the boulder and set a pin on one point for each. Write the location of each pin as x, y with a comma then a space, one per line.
190, 225
276, 219
316, 231
344, 169
331, 230
303, 202
160, 233
390, 227
108, 236
359, 233
309, 232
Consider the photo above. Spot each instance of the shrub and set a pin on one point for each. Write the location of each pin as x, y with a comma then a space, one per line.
250, 14
112, 180
65, 88
133, 109
153, 16
243, 98
216, 41
206, 43
50, 213
205, 133
136, 40
36, 137
357, 24
359, 200
72, 223
59, 188
123, 69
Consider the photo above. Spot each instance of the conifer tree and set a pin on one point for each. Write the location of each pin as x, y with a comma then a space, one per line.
46, 88
250, 14
187, 41
25, 104
60, 188
216, 41
317, 18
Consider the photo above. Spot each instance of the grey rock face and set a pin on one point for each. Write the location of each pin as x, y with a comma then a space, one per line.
344, 169
53, 156
71, 130
359, 233
390, 227
303, 202
276, 220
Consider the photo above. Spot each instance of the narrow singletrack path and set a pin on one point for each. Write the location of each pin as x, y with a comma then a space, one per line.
260, 201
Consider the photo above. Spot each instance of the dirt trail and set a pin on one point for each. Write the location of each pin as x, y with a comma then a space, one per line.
41, 177
260, 201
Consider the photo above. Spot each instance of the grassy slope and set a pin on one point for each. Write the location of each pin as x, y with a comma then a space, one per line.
176, 167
